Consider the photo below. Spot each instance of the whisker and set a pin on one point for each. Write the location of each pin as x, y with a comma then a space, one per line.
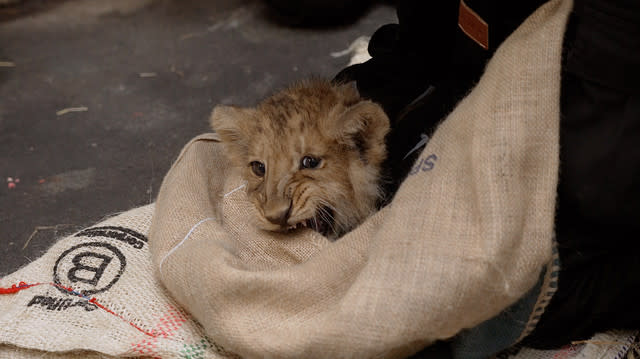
330, 218
325, 217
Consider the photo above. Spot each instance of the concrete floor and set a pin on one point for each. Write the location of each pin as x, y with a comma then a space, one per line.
141, 77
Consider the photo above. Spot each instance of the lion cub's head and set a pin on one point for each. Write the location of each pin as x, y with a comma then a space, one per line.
311, 156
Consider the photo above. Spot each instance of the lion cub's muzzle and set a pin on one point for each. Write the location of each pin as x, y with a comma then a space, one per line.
278, 212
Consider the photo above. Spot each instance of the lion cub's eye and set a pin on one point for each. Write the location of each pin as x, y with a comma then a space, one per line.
257, 168
309, 162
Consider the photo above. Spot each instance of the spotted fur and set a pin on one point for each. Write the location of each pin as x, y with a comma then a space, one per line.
321, 121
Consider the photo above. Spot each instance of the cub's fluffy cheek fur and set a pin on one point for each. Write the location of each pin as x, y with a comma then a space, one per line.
330, 123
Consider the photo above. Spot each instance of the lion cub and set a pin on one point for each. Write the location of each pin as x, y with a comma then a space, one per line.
311, 155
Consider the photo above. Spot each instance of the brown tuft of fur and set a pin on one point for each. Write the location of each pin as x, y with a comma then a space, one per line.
315, 119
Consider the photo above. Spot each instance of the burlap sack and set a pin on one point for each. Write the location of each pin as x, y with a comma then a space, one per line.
94, 295
134, 316
467, 234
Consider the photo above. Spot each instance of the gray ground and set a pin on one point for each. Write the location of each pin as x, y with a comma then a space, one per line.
142, 76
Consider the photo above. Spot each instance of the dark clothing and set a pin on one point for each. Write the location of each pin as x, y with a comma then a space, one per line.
424, 65
598, 221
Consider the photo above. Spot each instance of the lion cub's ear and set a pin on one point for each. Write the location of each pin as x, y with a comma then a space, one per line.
364, 126
232, 124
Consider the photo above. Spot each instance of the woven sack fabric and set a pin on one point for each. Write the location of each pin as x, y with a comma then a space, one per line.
135, 316
467, 234
93, 294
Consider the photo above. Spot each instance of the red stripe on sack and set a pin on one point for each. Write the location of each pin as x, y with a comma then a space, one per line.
22, 286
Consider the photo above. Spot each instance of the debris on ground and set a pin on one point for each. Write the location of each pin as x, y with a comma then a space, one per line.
72, 109
176, 71
11, 182
43, 228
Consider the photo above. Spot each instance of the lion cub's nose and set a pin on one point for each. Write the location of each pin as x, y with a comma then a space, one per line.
278, 212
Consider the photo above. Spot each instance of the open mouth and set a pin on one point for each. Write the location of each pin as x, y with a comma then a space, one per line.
322, 222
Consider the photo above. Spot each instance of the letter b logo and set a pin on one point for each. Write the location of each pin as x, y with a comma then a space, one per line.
89, 268
85, 262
